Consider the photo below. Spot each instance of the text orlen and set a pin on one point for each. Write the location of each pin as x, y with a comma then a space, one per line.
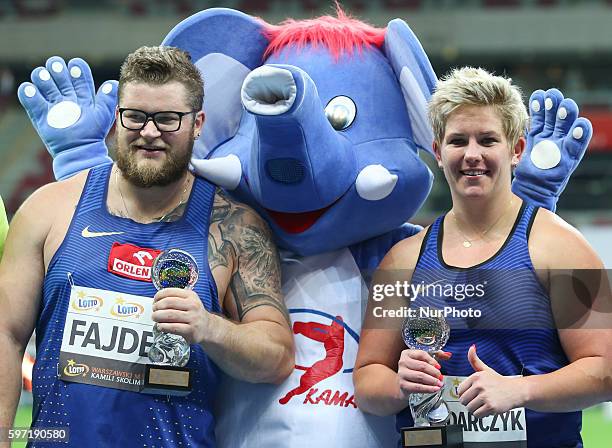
141, 272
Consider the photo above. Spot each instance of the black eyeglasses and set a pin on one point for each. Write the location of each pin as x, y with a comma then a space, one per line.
164, 121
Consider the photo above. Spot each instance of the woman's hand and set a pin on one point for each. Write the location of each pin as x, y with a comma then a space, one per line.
486, 392
419, 372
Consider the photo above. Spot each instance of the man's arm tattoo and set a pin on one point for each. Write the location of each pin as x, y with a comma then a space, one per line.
222, 206
218, 254
219, 248
256, 279
246, 301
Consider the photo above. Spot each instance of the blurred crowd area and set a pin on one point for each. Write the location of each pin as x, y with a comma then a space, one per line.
539, 43
143, 7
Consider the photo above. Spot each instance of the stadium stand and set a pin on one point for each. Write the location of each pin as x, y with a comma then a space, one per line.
581, 71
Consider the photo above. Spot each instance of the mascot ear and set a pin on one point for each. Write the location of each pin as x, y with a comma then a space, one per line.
225, 45
417, 78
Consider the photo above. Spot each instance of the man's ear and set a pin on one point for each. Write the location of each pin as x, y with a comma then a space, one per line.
200, 118
518, 150
436, 150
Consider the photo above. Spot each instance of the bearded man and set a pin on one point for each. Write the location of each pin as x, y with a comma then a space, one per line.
97, 233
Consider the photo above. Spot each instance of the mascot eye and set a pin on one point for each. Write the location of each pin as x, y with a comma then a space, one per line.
340, 111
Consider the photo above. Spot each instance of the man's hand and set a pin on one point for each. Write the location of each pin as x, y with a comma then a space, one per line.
486, 392
180, 311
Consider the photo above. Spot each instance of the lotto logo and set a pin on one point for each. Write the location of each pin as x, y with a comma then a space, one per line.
121, 308
74, 369
84, 302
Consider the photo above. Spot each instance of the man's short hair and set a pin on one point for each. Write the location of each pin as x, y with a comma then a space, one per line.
160, 65
477, 87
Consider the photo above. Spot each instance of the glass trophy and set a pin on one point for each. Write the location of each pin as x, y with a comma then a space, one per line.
169, 353
429, 332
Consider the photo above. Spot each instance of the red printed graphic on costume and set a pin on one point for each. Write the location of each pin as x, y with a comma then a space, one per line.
132, 261
332, 337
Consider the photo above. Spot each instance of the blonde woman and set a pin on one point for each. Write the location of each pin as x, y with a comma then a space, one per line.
510, 355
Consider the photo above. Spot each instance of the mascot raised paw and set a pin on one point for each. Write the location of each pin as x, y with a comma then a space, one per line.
556, 142
68, 115
318, 124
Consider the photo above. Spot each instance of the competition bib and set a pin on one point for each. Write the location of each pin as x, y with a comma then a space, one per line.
507, 430
106, 338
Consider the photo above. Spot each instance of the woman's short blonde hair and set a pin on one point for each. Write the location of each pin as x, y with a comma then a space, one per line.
469, 86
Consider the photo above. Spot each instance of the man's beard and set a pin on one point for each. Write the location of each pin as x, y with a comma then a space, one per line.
145, 176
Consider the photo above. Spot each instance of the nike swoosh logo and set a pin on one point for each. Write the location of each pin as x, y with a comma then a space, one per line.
85, 233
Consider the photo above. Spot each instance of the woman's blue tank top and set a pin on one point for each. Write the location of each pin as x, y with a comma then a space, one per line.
515, 333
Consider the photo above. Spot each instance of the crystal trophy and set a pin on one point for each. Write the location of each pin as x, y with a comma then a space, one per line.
429, 332
169, 353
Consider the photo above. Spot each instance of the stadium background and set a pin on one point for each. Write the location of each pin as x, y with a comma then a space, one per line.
539, 43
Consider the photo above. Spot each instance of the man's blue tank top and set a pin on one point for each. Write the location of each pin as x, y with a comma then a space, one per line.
101, 416
515, 334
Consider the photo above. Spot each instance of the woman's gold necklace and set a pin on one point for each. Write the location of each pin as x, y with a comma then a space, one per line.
467, 242
165, 215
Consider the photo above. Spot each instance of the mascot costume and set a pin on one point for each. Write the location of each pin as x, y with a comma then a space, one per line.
317, 125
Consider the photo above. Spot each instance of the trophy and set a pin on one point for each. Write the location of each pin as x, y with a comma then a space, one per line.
429, 332
169, 353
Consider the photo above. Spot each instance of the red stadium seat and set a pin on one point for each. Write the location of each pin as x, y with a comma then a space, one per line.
184, 7
312, 5
357, 5
502, 3
402, 4
138, 8
249, 6
547, 3
31, 8
32, 181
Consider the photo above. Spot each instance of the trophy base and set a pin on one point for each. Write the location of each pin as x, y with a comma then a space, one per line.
166, 380
449, 436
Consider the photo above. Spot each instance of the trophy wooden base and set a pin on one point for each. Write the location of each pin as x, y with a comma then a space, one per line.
166, 380
449, 436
